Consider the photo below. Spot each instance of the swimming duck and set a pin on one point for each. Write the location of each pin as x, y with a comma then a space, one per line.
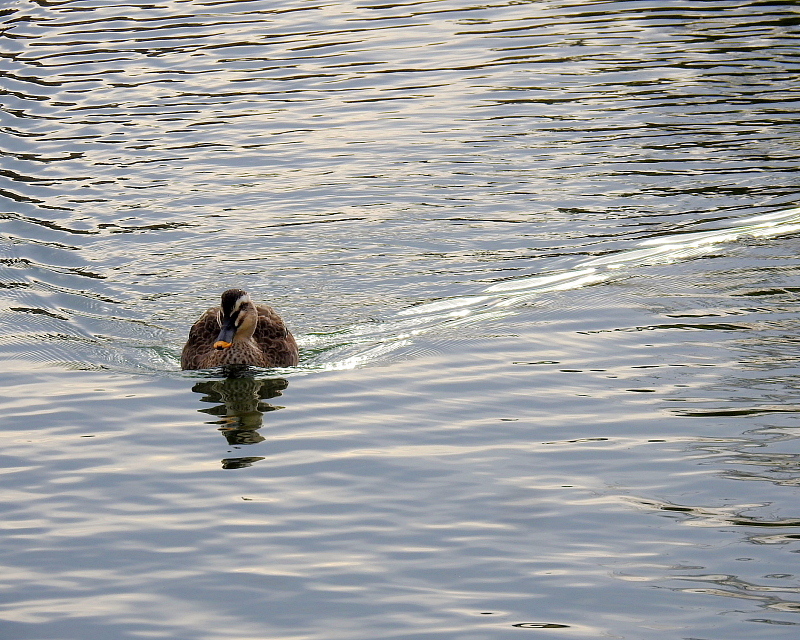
239, 332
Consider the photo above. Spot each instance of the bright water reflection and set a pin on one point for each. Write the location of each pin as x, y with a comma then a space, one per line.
542, 259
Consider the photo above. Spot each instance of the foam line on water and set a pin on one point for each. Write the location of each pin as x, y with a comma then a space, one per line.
663, 249
363, 343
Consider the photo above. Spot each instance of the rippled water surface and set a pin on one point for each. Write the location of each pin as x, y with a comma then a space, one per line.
541, 259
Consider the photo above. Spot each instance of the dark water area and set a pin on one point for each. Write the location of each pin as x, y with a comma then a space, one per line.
541, 261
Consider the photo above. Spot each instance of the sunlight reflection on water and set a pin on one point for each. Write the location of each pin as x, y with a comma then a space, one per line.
478, 443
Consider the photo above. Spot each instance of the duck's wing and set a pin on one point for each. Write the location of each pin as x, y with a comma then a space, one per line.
201, 339
274, 339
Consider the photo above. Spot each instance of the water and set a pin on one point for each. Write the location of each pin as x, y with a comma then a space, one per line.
541, 260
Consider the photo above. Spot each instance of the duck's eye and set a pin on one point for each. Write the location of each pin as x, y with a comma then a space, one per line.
239, 314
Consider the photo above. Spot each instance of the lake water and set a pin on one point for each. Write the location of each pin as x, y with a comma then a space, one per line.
541, 259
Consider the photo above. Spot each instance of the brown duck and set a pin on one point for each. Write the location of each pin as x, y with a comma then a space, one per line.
239, 332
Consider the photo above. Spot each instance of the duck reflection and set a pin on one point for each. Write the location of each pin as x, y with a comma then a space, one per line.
240, 409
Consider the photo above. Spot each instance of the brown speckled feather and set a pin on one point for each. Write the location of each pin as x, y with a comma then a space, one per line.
201, 340
272, 345
275, 340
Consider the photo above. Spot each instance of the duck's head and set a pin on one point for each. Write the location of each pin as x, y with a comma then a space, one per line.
237, 318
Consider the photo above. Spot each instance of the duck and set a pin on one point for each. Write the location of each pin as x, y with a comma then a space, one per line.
239, 332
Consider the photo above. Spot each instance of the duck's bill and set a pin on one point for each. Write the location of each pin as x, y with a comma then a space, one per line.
225, 337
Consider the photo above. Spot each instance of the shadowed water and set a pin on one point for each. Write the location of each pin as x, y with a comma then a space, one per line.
541, 261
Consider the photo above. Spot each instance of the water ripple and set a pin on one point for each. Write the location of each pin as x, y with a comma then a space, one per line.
156, 155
